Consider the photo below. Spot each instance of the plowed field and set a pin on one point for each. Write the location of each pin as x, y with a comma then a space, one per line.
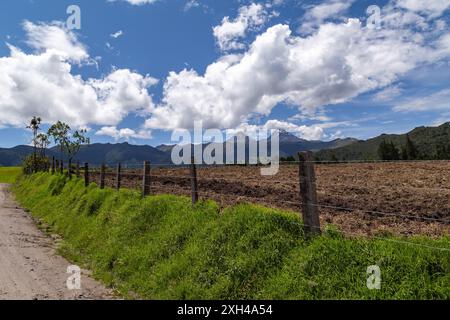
377, 198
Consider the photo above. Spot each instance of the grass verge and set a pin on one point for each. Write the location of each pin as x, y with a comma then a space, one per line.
9, 174
161, 247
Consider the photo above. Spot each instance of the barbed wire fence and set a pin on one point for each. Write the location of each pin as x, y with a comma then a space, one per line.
186, 180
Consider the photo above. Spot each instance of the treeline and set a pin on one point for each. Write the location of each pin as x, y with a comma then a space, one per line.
69, 143
387, 150
421, 143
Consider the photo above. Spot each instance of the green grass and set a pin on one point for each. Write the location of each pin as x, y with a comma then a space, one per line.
161, 247
9, 174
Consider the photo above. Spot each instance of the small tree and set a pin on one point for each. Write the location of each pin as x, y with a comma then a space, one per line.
33, 163
60, 135
73, 146
42, 142
442, 152
34, 125
60, 132
393, 152
388, 151
410, 149
383, 150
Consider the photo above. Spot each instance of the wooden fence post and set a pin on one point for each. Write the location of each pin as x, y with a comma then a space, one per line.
78, 169
61, 167
308, 194
118, 176
86, 174
146, 179
102, 176
53, 165
194, 183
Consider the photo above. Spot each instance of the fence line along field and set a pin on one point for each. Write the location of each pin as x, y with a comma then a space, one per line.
406, 198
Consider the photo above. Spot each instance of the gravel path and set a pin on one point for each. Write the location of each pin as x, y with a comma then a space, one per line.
30, 269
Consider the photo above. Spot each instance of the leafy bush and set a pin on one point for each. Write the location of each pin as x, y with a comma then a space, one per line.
35, 163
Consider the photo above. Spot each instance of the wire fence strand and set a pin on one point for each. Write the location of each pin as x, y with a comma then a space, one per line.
135, 171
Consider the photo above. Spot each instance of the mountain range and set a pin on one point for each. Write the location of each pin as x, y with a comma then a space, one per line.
431, 142
111, 154
290, 144
95, 154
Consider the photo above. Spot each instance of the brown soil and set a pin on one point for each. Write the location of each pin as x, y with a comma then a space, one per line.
397, 194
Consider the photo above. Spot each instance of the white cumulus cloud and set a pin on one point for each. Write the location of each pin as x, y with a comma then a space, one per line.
229, 33
125, 133
432, 8
318, 14
335, 64
437, 101
42, 83
314, 132
56, 39
306, 132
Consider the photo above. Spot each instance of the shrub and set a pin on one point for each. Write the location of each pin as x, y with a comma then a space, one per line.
35, 163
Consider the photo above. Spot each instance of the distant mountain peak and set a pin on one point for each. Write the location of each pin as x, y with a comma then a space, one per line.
286, 136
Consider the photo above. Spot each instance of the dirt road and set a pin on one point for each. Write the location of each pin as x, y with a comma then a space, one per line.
30, 269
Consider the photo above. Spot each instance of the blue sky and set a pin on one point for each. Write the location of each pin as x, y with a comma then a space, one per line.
137, 72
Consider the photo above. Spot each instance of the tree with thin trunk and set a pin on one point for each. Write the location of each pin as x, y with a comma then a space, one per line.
42, 142
60, 135
34, 125
73, 146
